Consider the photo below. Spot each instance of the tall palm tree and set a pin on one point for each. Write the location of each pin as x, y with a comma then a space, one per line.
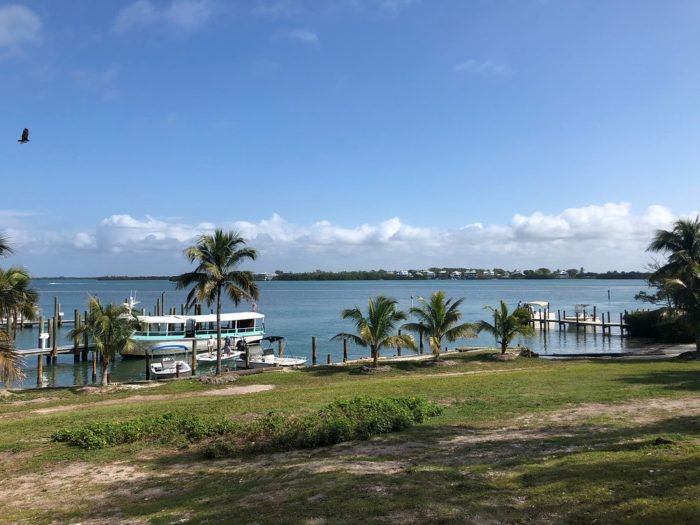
10, 361
17, 299
506, 326
217, 256
680, 276
376, 330
682, 243
439, 319
109, 327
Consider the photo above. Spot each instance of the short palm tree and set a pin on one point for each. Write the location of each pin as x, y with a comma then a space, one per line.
376, 330
439, 319
109, 328
506, 326
17, 299
217, 256
10, 361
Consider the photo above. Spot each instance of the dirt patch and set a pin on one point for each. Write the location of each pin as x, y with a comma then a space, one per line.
238, 390
438, 363
231, 391
357, 467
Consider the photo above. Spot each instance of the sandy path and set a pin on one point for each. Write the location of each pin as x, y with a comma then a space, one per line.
230, 391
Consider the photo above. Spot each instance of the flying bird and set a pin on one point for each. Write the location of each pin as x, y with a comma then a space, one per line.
25, 136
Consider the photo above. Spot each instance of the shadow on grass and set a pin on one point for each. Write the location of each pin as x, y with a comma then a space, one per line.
688, 380
429, 474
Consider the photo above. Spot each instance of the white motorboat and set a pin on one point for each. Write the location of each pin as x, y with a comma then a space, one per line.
168, 366
582, 316
206, 357
539, 311
268, 358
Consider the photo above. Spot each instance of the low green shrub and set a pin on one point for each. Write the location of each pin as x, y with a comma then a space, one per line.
342, 420
166, 428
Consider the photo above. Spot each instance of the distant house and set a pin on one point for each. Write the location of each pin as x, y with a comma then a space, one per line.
456, 275
429, 275
488, 274
563, 274
443, 274
471, 274
403, 274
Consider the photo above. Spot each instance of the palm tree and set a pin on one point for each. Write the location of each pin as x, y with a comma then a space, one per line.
439, 318
10, 361
5, 248
506, 326
682, 243
109, 327
376, 329
680, 276
17, 299
217, 255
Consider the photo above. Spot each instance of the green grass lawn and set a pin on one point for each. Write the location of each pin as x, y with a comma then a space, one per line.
527, 441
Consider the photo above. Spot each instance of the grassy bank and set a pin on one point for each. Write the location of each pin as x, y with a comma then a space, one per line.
528, 441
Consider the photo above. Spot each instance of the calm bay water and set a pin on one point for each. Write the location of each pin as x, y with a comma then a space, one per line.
299, 310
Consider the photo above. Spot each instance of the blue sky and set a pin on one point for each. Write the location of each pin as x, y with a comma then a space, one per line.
347, 134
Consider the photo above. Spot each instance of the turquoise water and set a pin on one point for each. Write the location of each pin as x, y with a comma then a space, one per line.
300, 310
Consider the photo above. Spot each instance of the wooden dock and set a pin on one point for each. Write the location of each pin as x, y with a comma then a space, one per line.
542, 319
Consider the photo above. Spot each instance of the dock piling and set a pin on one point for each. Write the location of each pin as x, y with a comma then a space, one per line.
313, 350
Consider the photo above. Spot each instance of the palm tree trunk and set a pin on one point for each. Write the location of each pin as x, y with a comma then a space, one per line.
105, 371
504, 345
697, 344
375, 357
218, 330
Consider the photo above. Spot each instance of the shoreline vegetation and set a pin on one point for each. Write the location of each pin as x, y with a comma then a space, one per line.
445, 273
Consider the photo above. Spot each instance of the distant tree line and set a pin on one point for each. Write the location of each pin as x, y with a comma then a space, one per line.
450, 273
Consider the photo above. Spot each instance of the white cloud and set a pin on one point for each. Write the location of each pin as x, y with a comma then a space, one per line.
181, 14
302, 35
598, 237
481, 67
19, 27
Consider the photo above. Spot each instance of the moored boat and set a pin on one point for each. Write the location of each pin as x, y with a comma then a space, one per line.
168, 366
268, 358
186, 329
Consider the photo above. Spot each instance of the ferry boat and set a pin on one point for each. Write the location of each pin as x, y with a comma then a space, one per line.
183, 329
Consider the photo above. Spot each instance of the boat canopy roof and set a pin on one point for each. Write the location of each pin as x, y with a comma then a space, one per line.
208, 318
538, 303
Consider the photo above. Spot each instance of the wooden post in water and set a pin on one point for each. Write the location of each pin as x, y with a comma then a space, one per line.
177, 369
162, 302
247, 357
50, 341
420, 344
76, 340
39, 370
194, 357
280, 347
622, 330
313, 350
54, 335
182, 309
86, 341
41, 331
609, 327
56, 309
345, 349
157, 308
559, 319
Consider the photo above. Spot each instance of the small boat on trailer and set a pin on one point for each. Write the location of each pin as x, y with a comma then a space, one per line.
169, 366
268, 358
